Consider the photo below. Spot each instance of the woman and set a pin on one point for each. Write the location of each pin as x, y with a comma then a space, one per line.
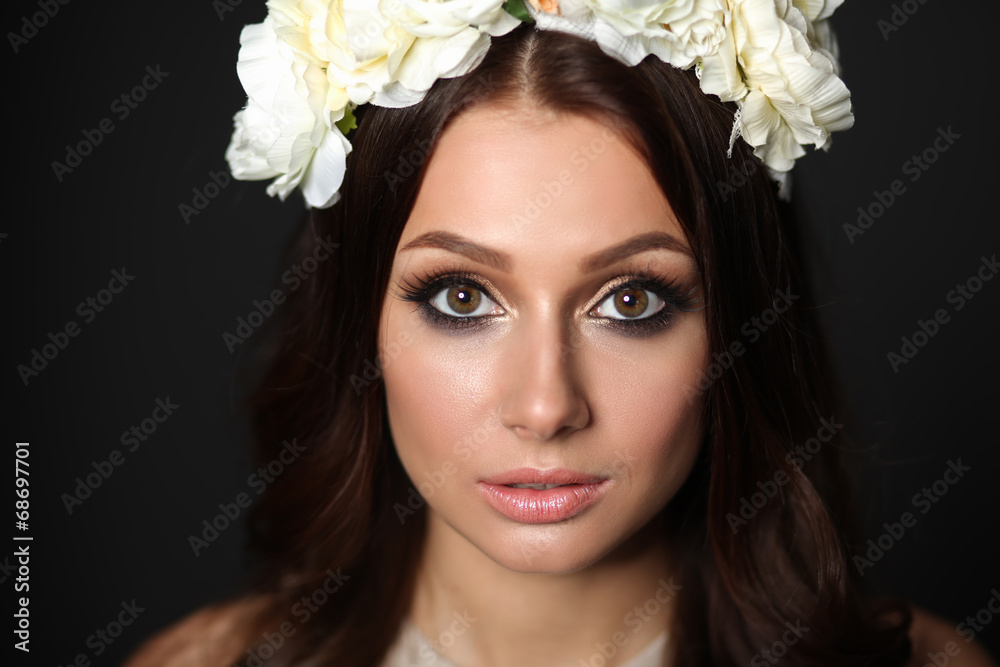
561, 395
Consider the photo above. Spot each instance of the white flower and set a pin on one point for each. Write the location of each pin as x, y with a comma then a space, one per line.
287, 130
817, 10
445, 18
451, 38
310, 60
375, 50
676, 31
788, 88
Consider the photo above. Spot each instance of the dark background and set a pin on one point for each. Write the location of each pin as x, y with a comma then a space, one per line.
162, 335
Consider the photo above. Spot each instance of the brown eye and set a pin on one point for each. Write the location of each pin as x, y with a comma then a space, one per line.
463, 301
630, 303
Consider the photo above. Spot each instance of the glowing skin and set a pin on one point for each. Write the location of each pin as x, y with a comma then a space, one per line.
541, 382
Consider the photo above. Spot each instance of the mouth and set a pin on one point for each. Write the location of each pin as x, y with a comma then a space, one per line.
542, 496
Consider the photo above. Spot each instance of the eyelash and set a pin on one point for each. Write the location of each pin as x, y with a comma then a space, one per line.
676, 296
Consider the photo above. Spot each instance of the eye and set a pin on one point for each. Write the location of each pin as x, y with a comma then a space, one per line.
630, 303
463, 300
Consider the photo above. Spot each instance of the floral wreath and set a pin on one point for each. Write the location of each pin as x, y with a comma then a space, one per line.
310, 63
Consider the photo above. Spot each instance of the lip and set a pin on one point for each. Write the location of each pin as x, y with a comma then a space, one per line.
542, 506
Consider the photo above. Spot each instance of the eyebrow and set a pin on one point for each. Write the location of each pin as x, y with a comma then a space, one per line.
502, 261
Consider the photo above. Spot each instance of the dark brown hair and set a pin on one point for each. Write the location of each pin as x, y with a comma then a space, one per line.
333, 510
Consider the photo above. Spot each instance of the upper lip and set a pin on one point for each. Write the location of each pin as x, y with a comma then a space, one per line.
535, 476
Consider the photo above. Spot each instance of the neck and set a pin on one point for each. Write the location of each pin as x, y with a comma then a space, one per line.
478, 613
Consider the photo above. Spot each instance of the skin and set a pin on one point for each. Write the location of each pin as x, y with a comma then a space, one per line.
546, 384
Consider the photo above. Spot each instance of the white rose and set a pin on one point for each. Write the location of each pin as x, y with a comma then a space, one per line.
287, 129
820, 33
817, 10
445, 18
676, 31
390, 52
790, 92
451, 37
348, 40
310, 59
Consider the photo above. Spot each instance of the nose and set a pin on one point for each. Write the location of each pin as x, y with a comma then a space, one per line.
542, 394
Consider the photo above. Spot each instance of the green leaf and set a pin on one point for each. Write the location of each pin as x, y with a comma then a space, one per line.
516, 9
347, 123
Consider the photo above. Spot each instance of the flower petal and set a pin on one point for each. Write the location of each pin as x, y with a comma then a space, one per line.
325, 174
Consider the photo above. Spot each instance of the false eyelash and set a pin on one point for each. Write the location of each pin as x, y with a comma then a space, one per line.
427, 285
678, 296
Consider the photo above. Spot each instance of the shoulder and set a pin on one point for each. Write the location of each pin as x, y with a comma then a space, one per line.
209, 637
939, 642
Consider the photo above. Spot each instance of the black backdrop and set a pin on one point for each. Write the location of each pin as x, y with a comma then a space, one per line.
65, 233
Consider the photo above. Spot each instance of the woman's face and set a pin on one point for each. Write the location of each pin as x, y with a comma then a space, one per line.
543, 325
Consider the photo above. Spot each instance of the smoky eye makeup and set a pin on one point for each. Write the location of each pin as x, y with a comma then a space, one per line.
458, 290
644, 302
633, 302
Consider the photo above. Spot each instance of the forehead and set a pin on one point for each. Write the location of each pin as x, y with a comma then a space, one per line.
530, 181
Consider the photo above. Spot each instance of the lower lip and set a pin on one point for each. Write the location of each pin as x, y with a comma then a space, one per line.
536, 506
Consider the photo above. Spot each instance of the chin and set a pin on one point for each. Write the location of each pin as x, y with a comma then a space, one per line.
544, 554
556, 548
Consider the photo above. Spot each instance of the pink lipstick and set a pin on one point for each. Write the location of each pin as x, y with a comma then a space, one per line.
527, 495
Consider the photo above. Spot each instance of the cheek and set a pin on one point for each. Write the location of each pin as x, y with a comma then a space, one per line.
649, 400
437, 396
